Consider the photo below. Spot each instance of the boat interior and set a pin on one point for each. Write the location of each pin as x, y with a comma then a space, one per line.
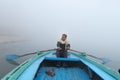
75, 70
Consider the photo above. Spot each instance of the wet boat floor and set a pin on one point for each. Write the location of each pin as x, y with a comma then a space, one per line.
70, 73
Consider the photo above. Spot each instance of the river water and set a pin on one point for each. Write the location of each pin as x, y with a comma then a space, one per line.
23, 47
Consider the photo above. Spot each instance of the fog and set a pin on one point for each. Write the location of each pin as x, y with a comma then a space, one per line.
93, 26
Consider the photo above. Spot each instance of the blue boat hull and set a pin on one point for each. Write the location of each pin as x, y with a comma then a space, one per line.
73, 73
79, 67
76, 69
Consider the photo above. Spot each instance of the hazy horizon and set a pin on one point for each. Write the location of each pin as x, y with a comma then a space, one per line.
93, 26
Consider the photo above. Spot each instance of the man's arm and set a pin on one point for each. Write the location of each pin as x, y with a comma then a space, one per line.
58, 46
68, 46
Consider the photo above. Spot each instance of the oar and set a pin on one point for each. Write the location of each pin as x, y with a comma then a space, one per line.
14, 56
104, 60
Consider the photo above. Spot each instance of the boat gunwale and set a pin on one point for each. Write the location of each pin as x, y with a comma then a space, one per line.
109, 71
15, 73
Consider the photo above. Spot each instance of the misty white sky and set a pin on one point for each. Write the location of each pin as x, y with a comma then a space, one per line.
91, 25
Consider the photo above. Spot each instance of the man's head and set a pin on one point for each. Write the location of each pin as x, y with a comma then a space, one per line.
64, 37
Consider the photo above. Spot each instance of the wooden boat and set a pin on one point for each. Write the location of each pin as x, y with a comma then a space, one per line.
80, 67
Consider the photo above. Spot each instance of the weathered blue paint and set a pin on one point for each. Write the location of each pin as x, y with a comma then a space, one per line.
61, 59
97, 70
31, 70
63, 74
70, 73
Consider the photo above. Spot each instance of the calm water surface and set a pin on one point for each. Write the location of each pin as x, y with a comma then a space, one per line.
26, 47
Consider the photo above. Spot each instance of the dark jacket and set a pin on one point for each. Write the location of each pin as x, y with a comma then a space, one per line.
63, 45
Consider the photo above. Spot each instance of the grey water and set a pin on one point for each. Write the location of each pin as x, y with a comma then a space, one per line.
15, 48
32, 46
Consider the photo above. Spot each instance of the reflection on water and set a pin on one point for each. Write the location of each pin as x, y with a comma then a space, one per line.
13, 62
14, 48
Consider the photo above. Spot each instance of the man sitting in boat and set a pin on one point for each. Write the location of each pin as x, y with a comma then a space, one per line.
62, 47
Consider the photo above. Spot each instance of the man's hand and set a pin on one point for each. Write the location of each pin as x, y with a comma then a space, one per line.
68, 48
58, 48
